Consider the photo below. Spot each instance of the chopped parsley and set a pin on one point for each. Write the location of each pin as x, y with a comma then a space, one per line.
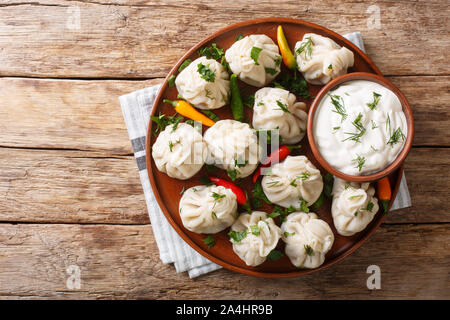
248, 100
287, 234
258, 193
308, 250
330, 67
278, 61
303, 205
212, 52
237, 236
271, 71
254, 54
239, 37
275, 255
319, 202
255, 230
297, 86
328, 185
209, 241
232, 173
370, 206
162, 121
216, 196
360, 162
360, 130
206, 181
239, 164
374, 103
206, 73
374, 125
306, 48
339, 106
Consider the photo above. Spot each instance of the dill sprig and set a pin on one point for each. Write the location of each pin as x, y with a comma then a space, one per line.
355, 136
360, 162
376, 99
339, 106
305, 47
395, 137
283, 106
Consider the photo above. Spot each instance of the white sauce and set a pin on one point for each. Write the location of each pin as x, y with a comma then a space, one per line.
374, 143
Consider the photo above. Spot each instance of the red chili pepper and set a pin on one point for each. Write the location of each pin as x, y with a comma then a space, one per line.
277, 156
241, 198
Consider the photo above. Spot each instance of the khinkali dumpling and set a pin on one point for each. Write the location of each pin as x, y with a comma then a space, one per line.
180, 152
204, 83
320, 59
255, 236
257, 67
294, 182
208, 209
307, 239
233, 146
276, 108
353, 206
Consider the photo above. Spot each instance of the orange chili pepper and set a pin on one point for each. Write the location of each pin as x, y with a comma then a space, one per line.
185, 109
286, 53
384, 192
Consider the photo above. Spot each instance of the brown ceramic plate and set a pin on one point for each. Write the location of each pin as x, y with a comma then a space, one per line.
167, 190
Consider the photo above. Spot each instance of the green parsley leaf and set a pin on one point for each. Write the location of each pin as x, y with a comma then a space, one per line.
209, 241
255, 230
206, 73
248, 100
319, 202
297, 86
212, 52
232, 173
275, 255
237, 236
254, 54
216, 196
308, 250
239, 37
287, 234
258, 193
303, 205
271, 71
211, 168
370, 206
206, 181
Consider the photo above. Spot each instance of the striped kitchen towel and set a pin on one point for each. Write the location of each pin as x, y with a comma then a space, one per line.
136, 108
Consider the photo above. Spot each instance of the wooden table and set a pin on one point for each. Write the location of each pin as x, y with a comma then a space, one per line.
69, 189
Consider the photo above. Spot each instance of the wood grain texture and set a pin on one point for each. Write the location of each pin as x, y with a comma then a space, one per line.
86, 187
71, 187
69, 114
85, 115
120, 262
144, 39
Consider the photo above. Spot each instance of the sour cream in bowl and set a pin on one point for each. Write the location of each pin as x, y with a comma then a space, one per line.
360, 127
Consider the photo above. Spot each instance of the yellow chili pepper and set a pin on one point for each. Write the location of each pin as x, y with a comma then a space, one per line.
286, 53
188, 111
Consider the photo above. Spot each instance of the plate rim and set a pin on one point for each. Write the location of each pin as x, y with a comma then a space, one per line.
160, 201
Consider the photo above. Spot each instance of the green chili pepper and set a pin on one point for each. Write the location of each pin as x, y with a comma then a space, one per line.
237, 107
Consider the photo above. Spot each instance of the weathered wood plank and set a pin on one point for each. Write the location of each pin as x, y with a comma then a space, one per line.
85, 114
85, 187
118, 38
70, 114
122, 262
70, 187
